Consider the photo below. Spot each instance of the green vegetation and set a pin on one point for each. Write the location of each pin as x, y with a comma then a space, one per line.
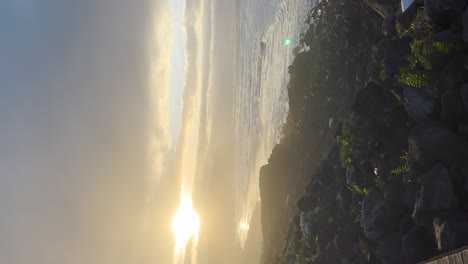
419, 53
347, 60
449, 48
357, 190
297, 246
398, 97
323, 81
401, 170
353, 140
412, 78
346, 52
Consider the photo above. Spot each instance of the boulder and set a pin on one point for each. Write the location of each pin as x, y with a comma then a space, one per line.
418, 245
465, 174
443, 12
379, 217
332, 253
346, 244
388, 27
465, 26
372, 219
395, 53
453, 111
431, 143
410, 196
393, 192
306, 203
452, 75
436, 194
405, 18
389, 249
446, 36
369, 99
344, 199
355, 177
376, 104
361, 259
390, 158
382, 7
309, 225
464, 96
459, 177
418, 103
406, 224
451, 230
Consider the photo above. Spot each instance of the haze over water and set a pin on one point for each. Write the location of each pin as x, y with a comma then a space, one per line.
261, 99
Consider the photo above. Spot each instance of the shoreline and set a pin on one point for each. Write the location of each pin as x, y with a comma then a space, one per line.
362, 100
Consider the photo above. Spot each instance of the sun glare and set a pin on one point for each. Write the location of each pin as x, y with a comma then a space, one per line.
185, 223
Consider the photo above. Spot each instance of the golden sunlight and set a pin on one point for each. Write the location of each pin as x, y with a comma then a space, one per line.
185, 223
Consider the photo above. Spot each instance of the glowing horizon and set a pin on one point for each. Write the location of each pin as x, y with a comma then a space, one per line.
185, 226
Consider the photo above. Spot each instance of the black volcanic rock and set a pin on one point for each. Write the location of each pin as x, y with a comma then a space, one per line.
395, 53
436, 194
451, 230
464, 96
419, 103
453, 111
377, 105
388, 27
332, 253
431, 143
452, 75
465, 26
389, 249
443, 12
306, 203
418, 245
378, 218
405, 18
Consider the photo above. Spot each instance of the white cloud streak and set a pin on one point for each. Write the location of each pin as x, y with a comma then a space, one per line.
159, 87
192, 107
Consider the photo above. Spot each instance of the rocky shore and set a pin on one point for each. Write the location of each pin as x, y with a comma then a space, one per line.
377, 134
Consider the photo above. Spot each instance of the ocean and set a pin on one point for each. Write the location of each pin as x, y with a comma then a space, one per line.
260, 93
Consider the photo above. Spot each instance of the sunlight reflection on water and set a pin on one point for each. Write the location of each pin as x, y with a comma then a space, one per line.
261, 101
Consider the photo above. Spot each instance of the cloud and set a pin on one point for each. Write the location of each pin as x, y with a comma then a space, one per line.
187, 149
160, 55
192, 100
83, 111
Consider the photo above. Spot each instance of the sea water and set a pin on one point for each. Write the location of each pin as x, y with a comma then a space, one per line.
261, 99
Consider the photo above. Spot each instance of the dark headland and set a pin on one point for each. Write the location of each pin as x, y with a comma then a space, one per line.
373, 163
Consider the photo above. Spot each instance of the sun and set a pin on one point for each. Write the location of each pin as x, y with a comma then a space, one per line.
185, 223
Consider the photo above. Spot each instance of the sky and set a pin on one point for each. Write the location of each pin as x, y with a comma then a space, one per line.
177, 9
105, 107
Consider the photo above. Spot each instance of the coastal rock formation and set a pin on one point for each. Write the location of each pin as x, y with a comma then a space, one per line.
443, 12
436, 194
451, 230
391, 186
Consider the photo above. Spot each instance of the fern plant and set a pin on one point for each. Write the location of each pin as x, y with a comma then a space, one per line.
419, 55
382, 75
378, 206
398, 97
357, 190
448, 48
417, 80
442, 47
400, 170
379, 183
403, 171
